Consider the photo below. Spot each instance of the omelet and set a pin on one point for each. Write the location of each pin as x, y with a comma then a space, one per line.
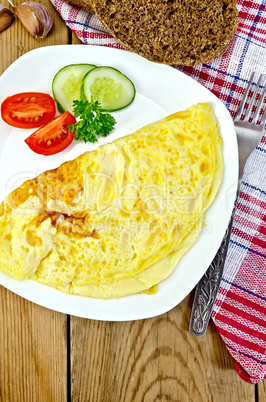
116, 221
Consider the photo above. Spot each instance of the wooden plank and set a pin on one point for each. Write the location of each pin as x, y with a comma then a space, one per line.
261, 391
33, 340
153, 359
33, 361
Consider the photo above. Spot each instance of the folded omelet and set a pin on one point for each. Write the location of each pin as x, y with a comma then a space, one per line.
117, 220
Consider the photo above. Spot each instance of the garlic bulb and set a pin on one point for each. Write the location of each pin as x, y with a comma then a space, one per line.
6, 17
35, 17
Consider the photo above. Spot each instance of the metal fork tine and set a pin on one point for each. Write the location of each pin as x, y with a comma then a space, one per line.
253, 99
257, 114
243, 102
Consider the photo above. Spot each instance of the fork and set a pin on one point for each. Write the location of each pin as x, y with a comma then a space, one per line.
249, 133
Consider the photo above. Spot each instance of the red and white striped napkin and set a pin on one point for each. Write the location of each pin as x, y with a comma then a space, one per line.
240, 310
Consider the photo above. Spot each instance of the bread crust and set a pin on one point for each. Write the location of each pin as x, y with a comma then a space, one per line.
175, 32
86, 4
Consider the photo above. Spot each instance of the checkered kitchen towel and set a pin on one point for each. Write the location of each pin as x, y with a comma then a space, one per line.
240, 309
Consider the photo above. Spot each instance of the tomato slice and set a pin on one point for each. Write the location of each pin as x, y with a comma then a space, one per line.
28, 109
54, 137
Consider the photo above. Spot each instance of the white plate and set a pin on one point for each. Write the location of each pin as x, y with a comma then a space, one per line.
160, 90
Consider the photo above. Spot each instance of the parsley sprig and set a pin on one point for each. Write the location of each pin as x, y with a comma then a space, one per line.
93, 122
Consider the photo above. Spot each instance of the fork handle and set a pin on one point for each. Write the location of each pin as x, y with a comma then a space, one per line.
207, 288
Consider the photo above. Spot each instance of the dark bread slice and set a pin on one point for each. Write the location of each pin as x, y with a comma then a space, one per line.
181, 32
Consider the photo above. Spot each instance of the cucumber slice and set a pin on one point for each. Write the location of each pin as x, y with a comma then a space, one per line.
66, 85
108, 86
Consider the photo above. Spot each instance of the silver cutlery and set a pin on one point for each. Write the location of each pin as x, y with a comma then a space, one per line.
249, 131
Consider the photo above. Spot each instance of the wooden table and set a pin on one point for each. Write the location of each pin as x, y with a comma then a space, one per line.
49, 356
